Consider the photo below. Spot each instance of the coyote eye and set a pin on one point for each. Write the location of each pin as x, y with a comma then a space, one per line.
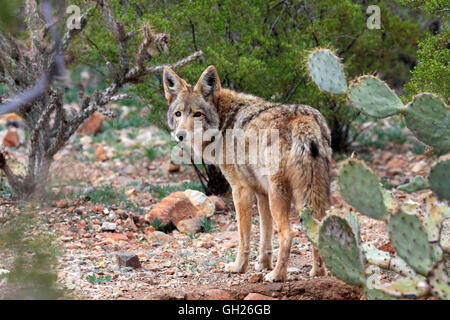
178, 114
197, 114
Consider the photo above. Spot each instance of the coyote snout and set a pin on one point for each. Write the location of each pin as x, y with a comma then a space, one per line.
301, 151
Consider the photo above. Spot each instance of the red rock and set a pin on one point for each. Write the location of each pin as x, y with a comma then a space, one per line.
218, 203
207, 245
336, 199
130, 224
98, 209
218, 294
387, 247
93, 125
173, 208
396, 166
386, 156
96, 221
128, 259
113, 236
130, 235
188, 226
100, 154
149, 230
258, 296
254, 278
11, 139
63, 203
11, 116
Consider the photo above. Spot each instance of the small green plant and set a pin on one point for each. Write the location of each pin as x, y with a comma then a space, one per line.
35, 258
159, 226
98, 280
193, 236
151, 153
208, 225
230, 255
104, 195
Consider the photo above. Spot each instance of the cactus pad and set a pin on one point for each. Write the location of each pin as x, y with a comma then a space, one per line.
374, 294
339, 248
361, 189
386, 261
440, 282
417, 183
354, 223
415, 287
373, 274
310, 225
410, 240
428, 117
326, 71
439, 177
374, 98
436, 211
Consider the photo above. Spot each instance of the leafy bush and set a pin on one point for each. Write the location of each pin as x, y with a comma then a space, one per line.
259, 47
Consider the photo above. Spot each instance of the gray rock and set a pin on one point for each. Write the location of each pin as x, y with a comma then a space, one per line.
108, 226
128, 259
275, 286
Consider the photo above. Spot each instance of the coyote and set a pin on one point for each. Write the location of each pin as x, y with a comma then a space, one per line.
303, 174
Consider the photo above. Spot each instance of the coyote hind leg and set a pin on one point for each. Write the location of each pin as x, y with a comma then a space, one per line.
280, 204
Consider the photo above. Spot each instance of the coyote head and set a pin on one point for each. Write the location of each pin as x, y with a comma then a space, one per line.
191, 107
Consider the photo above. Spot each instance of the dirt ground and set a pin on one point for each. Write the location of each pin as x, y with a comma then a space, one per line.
176, 265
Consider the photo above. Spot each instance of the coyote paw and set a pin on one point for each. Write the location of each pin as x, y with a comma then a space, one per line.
261, 266
235, 268
317, 272
274, 276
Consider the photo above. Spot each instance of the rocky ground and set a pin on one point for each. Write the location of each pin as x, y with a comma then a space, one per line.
104, 185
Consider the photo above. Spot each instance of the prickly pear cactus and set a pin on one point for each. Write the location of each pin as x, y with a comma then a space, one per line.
414, 287
361, 188
374, 98
440, 282
386, 261
327, 71
422, 250
436, 212
416, 184
339, 248
428, 117
310, 225
354, 223
440, 179
410, 240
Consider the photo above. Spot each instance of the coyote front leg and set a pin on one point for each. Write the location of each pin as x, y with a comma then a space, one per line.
243, 201
265, 234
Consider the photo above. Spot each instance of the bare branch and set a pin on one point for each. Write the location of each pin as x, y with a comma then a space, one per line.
136, 73
56, 69
73, 32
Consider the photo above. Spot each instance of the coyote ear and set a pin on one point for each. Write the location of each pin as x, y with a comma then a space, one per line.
173, 84
209, 83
